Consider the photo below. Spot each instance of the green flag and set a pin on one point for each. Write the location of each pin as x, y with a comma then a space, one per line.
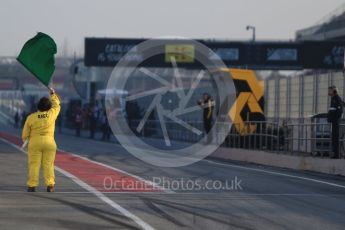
37, 56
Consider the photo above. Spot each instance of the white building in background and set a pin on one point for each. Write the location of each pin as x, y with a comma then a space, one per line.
305, 94
331, 27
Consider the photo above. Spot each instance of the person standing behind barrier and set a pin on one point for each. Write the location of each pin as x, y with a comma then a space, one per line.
16, 120
94, 118
24, 116
334, 114
106, 131
207, 104
39, 131
78, 119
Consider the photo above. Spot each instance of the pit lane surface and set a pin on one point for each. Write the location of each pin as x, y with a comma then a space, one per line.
267, 198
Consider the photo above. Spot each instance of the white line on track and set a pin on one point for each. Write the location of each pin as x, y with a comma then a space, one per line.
277, 173
97, 193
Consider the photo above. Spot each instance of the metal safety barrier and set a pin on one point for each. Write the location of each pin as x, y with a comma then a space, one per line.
312, 139
303, 139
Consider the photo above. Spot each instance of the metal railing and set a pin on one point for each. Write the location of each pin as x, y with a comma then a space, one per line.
303, 139
250, 135
256, 135
312, 139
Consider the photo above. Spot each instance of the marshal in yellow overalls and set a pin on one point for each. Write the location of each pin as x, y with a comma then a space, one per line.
39, 130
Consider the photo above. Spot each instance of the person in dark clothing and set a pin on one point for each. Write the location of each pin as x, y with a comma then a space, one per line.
24, 116
59, 123
207, 104
16, 120
334, 114
106, 131
94, 118
78, 121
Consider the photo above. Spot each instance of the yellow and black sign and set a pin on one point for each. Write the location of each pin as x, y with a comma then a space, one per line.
249, 104
180, 53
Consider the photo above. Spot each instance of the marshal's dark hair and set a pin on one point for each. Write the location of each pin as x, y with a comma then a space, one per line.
207, 95
44, 104
334, 88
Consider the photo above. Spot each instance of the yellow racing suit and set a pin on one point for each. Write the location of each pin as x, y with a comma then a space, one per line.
39, 130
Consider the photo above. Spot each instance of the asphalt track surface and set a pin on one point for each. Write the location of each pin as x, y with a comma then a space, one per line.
266, 198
